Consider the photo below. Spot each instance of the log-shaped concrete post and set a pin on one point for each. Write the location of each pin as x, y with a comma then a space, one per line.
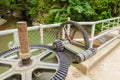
24, 44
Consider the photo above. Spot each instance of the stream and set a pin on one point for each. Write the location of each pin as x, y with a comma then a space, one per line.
7, 40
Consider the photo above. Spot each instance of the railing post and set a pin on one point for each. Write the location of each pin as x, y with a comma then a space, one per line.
68, 26
68, 29
16, 38
92, 35
41, 34
119, 28
108, 24
63, 33
114, 23
118, 20
102, 26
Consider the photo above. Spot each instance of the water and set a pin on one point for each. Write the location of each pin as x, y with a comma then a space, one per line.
7, 40
11, 23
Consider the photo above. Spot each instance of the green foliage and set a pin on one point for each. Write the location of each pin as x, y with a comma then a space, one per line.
5, 3
105, 8
53, 11
75, 9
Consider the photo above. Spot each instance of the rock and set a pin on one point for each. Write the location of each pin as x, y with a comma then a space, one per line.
36, 23
17, 14
2, 21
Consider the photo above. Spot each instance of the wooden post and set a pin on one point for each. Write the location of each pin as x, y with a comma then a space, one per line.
24, 44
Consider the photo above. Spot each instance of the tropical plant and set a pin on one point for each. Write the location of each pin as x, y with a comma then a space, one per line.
52, 11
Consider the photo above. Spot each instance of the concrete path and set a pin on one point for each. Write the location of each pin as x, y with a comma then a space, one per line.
107, 69
75, 74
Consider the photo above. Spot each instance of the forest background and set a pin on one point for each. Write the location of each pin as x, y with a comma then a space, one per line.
54, 11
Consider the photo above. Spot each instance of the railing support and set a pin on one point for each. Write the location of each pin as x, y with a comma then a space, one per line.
16, 38
92, 35
41, 34
68, 26
115, 20
63, 33
102, 26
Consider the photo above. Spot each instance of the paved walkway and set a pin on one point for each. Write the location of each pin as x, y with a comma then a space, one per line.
107, 69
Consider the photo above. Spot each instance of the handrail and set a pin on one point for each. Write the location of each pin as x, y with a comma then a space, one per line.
96, 37
93, 24
55, 25
5, 32
105, 20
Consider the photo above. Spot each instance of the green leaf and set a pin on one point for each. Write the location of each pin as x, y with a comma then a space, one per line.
53, 0
34, 2
63, 0
104, 13
106, 1
69, 9
78, 8
54, 11
32, 11
71, 2
57, 15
